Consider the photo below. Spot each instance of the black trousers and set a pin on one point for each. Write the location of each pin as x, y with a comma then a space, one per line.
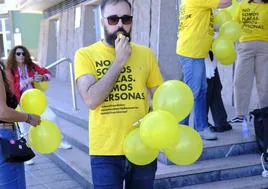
214, 100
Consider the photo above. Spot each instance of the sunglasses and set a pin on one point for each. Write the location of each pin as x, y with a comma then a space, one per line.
20, 53
114, 19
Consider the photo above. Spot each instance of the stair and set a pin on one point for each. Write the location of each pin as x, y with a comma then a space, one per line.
231, 162
253, 182
228, 161
208, 171
75, 161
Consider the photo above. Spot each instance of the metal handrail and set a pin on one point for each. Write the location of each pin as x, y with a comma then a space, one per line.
71, 75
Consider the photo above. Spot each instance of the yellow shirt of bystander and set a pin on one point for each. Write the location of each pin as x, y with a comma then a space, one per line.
254, 20
195, 30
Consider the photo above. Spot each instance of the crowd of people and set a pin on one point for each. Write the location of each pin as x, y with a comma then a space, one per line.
99, 67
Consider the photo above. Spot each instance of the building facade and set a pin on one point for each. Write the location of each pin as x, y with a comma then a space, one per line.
5, 27
71, 24
18, 28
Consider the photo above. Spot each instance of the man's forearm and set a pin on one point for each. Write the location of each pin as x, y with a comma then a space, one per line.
102, 88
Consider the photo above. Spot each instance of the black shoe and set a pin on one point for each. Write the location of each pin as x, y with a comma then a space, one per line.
210, 125
221, 129
237, 119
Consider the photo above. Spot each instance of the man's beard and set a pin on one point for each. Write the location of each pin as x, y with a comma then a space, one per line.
111, 37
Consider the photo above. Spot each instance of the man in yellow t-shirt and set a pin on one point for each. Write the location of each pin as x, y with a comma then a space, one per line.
195, 34
252, 56
113, 77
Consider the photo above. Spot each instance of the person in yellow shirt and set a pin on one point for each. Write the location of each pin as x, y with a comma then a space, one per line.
113, 76
195, 34
252, 56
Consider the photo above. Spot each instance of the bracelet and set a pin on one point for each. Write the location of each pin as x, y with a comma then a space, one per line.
29, 118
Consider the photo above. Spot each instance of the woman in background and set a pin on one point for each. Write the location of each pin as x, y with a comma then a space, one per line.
252, 56
22, 72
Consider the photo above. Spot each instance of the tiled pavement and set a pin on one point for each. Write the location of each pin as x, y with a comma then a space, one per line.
44, 174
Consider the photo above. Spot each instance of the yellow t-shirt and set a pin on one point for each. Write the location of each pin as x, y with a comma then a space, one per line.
254, 20
195, 31
127, 103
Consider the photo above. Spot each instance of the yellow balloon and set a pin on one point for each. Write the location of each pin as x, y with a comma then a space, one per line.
231, 30
33, 101
135, 150
228, 61
188, 149
158, 130
18, 109
221, 17
46, 137
223, 47
175, 97
43, 86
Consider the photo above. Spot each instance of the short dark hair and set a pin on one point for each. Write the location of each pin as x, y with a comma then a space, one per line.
264, 1
105, 2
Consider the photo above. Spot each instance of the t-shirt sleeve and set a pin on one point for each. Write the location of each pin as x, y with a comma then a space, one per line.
83, 65
204, 3
155, 77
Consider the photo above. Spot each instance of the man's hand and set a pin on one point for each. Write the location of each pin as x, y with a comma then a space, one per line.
224, 3
122, 50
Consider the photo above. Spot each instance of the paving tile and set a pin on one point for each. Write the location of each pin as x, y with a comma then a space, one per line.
37, 187
45, 174
69, 184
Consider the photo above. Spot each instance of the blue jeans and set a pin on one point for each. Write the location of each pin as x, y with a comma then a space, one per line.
12, 175
194, 72
109, 172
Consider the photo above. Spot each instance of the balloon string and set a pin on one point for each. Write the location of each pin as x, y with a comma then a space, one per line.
137, 123
230, 150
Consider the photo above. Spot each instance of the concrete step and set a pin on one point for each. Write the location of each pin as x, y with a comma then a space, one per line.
241, 162
172, 176
215, 152
75, 135
225, 146
76, 163
71, 116
230, 143
211, 168
254, 182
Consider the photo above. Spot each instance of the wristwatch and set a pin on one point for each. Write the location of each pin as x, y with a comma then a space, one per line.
29, 119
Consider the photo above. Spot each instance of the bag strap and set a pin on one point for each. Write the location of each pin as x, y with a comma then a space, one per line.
19, 131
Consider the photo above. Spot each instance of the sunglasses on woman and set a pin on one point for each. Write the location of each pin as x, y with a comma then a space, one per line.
114, 19
20, 54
